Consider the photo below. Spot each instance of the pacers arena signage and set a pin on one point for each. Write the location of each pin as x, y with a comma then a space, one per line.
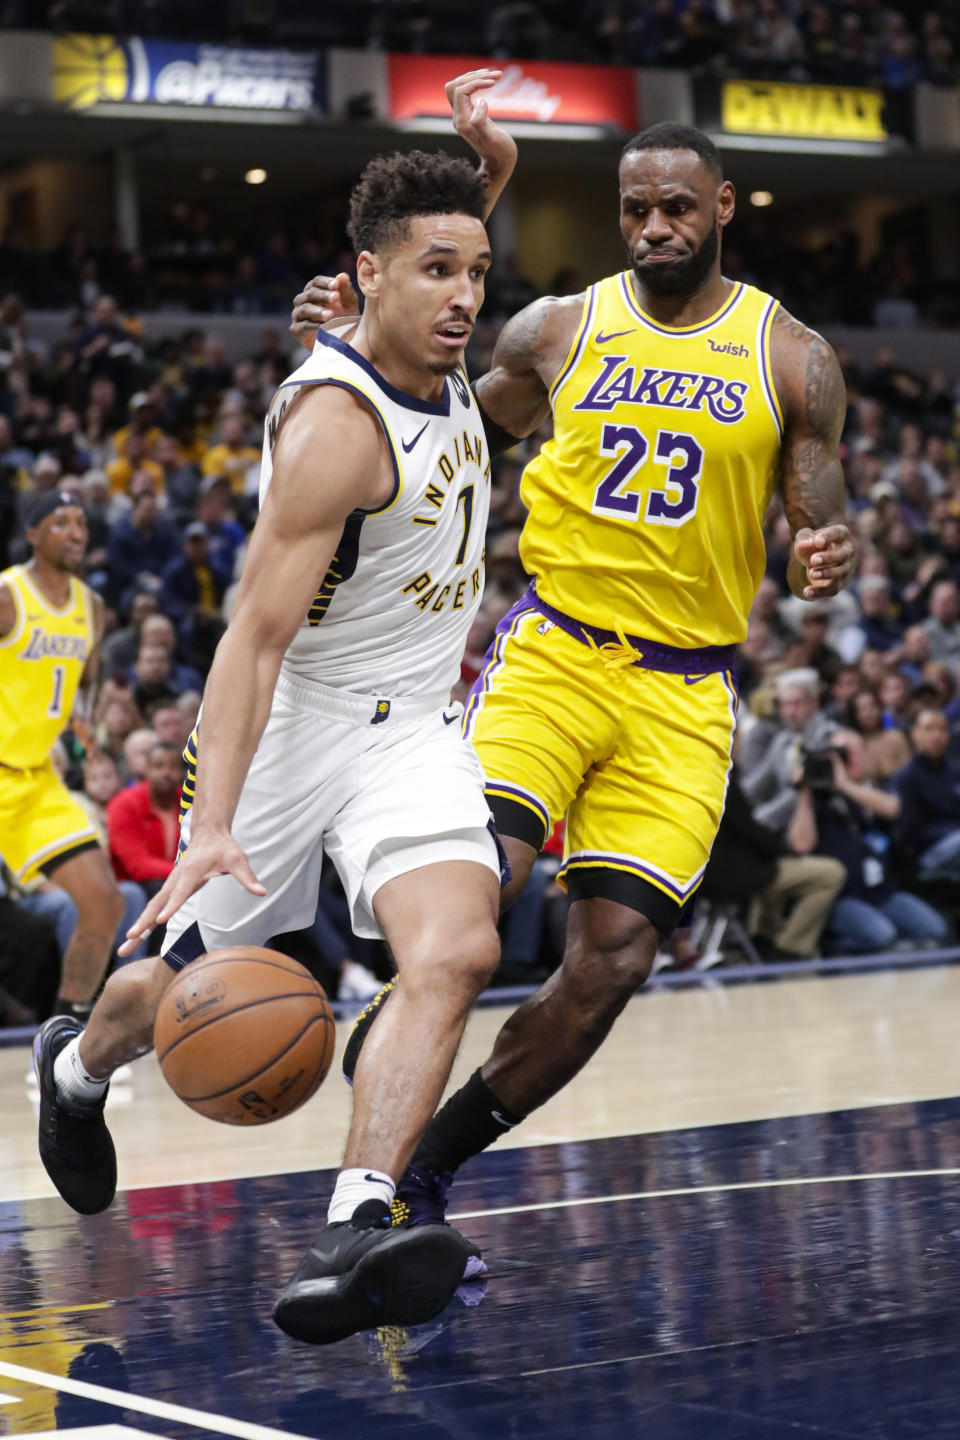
774, 110
91, 70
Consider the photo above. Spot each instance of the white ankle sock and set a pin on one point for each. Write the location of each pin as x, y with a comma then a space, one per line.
73, 1083
355, 1186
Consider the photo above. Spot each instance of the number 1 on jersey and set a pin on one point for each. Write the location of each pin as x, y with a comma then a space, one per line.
53, 709
466, 495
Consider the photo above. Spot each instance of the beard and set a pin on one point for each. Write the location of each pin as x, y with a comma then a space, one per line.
443, 367
683, 277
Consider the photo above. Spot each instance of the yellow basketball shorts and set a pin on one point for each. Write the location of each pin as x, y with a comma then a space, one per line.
41, 825
637, 759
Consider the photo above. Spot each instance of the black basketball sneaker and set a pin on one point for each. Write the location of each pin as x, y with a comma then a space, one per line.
421, 1197
75, 1144
362, 1273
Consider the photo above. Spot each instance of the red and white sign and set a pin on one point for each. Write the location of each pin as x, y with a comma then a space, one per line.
536, 91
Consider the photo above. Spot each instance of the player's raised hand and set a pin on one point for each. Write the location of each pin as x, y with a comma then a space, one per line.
205, 857
828, 555
471, 120
326, 297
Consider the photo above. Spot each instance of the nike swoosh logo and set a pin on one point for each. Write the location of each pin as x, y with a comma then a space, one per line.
374, 1179
695, 679
449, 719
507, 1124
409, 444
602, 339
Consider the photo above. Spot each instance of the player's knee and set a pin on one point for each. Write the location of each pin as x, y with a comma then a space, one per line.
606, 968
466, 965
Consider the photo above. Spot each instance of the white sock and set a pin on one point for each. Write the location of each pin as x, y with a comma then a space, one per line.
73, 1083
355, 1186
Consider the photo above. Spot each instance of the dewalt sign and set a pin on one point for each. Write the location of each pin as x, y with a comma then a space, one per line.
803, 112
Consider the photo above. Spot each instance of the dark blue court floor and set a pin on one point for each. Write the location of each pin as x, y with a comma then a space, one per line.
776, 1312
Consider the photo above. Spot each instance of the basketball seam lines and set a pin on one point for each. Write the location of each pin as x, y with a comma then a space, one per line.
247, 1005
247, 1079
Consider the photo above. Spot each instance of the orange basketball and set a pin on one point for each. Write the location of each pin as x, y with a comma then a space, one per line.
244, 1035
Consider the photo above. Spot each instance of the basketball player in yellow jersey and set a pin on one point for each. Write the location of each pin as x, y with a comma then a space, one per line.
50, 624
679, 397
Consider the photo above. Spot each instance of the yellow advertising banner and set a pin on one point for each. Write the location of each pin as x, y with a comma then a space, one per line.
814, 112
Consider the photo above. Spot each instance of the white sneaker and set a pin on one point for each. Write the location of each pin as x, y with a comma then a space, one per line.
357, 982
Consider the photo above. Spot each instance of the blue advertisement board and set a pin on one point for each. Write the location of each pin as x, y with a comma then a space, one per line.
95, 69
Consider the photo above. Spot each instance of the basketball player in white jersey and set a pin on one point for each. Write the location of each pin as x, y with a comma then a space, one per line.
326, 728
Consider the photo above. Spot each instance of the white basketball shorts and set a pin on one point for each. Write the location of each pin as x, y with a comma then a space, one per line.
381, 787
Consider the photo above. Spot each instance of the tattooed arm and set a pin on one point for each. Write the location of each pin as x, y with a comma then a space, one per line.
527, 358
813, 396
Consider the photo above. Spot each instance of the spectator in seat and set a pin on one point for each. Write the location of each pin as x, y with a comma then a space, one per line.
768, 777
141, 546
143, 821
876, 629
928, 788
943, 626
115, 720
851, 815
181, 479
120, 649
167, 722
134, 459
224, 531
194, 589
158, 630
152, 677
895, 699
886, 749
136, 753
232, 457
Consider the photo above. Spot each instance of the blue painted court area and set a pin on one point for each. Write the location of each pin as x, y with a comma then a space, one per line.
759, 1281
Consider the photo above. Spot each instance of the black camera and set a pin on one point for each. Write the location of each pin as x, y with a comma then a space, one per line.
818, 769
818, 766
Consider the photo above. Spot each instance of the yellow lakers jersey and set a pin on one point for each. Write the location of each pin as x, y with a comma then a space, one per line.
41, 661
646, 507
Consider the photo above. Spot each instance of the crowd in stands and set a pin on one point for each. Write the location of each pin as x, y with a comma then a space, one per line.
817, 272
889, 42
842, 830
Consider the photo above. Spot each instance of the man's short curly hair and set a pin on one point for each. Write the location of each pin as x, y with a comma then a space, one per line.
395, 188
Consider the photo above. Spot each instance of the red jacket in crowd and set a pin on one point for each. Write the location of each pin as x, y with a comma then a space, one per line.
143, 845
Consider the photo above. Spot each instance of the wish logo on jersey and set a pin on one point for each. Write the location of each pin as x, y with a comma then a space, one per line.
619, 384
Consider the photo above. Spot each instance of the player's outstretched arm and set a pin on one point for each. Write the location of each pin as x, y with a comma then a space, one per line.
329, 460
330, 297
528, 356
813, 395
495, 149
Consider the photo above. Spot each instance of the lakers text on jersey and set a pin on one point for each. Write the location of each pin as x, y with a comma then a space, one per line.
646, 508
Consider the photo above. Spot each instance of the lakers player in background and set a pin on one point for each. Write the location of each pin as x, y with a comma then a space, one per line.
680, 398
50, 624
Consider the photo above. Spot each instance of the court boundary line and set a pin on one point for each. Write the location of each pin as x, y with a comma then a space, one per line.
731, 1188
143, 1405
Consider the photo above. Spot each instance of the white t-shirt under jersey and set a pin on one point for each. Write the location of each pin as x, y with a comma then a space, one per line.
392, 615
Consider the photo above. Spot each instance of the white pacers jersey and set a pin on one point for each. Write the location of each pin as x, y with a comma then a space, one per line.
392, 614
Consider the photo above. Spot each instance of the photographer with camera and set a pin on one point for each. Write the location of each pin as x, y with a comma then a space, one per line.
769, 763
850, 824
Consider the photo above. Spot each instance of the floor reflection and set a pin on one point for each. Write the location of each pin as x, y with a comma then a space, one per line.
826, 1308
